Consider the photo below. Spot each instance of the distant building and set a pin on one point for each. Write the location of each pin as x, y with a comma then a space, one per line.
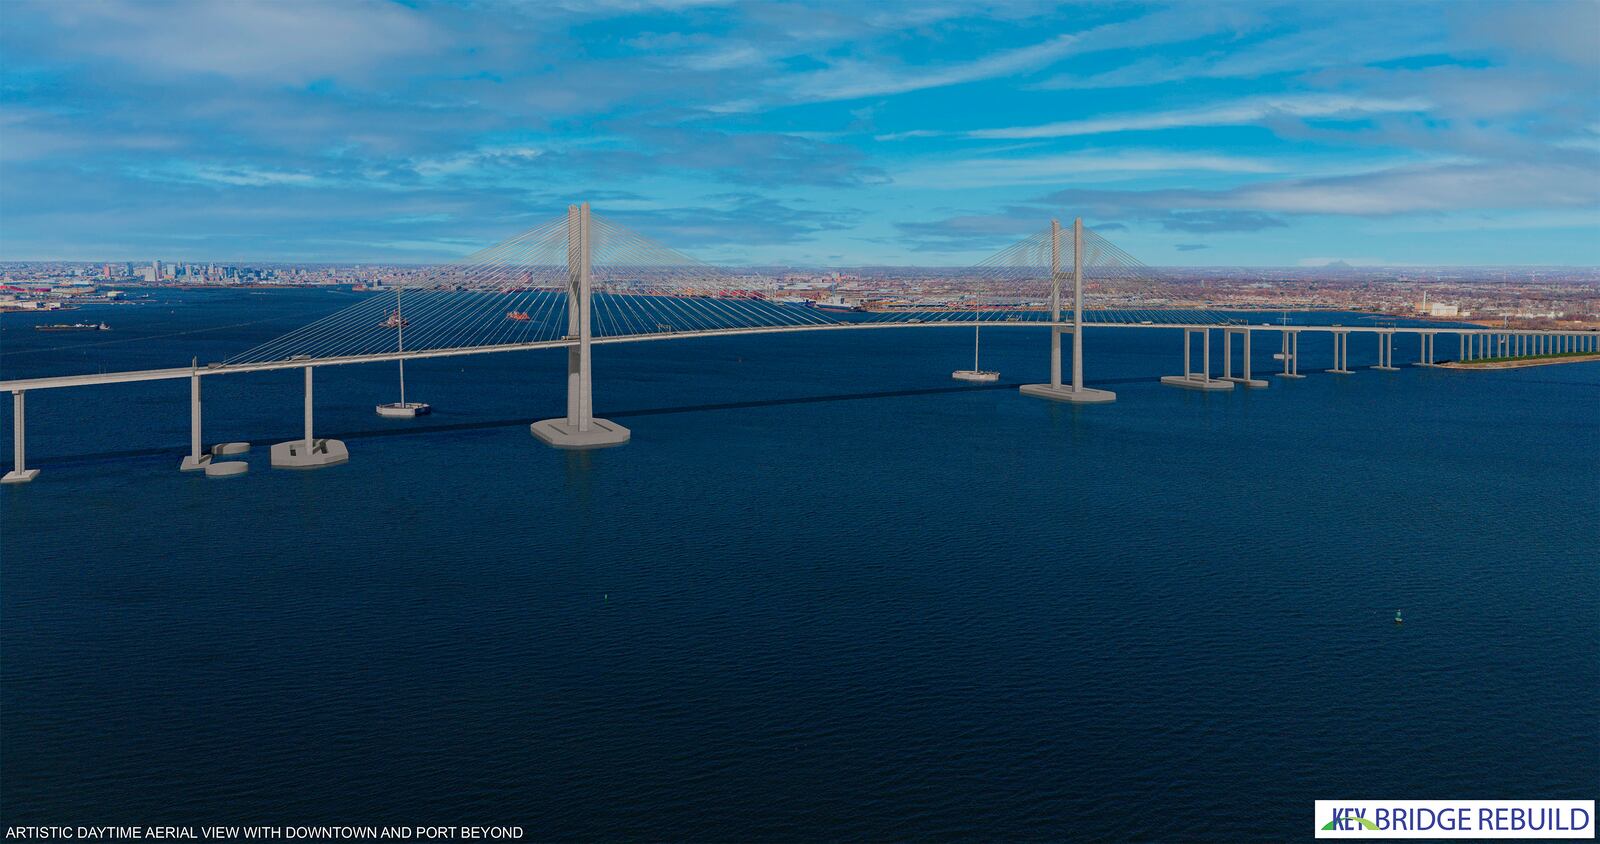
1439, 309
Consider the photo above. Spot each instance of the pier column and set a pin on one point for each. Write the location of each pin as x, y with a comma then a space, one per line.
308, 407
195, 461
1076, 393
20, 473
580, 428
1295, 354
1227, 353
1246, 360
308, 452
1055, 303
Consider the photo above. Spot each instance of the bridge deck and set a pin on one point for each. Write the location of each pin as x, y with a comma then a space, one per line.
92, 379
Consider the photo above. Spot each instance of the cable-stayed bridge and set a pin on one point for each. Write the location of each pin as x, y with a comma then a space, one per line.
581, 279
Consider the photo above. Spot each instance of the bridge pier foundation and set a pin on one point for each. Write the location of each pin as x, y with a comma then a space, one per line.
195, 461
1227, 359
1341, 353
579, 429
309, 452
1074, 393
1386, 352
1290, 355
1190, 379
20, 473
1425, 349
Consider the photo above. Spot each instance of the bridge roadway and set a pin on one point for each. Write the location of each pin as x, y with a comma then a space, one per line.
580, 429
93, 379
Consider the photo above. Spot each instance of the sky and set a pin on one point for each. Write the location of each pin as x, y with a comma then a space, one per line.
930, 132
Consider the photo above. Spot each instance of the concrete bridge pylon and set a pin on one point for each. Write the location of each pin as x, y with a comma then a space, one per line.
579, 429
1075, 392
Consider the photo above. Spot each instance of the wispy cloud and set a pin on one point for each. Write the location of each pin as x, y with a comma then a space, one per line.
1090, 165
1237, 113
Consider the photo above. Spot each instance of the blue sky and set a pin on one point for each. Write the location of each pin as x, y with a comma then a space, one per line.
928, 132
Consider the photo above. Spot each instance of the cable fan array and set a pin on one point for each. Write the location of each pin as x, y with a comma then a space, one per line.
515, 293
1013, 285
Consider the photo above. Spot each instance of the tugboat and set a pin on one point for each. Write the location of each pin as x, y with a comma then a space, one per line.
73, 326
975, 374
402, 408
518, 316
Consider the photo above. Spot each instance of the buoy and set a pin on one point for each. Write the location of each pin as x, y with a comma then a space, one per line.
1397, 618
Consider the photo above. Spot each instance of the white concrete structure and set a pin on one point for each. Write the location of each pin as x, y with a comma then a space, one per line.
1055, 390
308, 452
20, 473
580, 428
1191, 379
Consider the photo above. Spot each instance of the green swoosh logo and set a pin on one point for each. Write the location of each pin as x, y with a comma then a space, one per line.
1334, 824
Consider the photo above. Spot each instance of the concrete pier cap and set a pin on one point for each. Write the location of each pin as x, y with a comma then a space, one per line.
295, 454
602, 433
1067, 394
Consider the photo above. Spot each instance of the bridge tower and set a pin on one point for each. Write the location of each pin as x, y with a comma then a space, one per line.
579, 428
1055, 390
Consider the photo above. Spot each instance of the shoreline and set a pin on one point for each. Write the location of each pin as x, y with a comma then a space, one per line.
1519, 364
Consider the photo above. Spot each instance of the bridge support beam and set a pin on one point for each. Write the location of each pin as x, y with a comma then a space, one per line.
1076, 393
20, 473
1425, 349
195, 461
1227, 358
1190, 379
1386, 352
579, 428
1341, 353
308, 452
1290, 355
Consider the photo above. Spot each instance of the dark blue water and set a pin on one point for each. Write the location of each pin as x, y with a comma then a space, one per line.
824, 593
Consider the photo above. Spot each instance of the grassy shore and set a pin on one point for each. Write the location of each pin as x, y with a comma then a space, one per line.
1514, 362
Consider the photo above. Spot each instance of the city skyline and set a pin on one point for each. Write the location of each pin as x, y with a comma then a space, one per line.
787, 134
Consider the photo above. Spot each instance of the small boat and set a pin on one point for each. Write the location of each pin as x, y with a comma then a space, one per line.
975, 373
73, 326
402, 408
406, 409
518, 316
394, 321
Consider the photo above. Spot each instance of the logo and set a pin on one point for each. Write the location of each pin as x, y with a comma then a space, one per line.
1344, 821
1459, 819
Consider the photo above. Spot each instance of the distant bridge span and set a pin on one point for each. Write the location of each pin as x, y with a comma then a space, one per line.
581, 429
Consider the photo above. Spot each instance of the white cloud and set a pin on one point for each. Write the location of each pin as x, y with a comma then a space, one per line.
286, 41
852, 80
1237, 113
1079, 167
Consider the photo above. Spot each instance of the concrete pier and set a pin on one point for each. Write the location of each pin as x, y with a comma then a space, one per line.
579, 429
1290, 355
1191, 379
1386, 353
1074, 393
1227, 359
308, 452
20, 473
1341, 353
196, 459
